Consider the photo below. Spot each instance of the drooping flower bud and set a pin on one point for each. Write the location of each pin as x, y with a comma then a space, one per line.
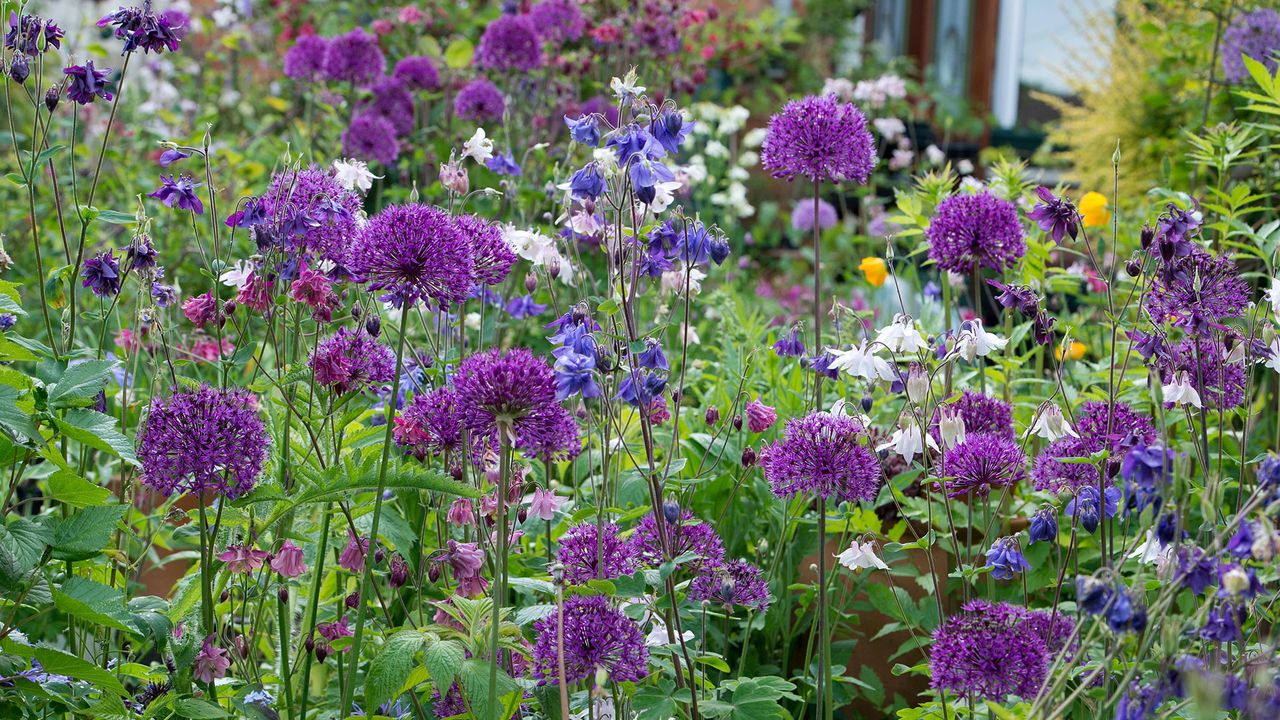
748, 457
713, 415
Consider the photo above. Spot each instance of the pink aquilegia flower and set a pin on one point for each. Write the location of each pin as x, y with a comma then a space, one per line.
352, 557
460, 512
288, 560
211, 662
544, 505
466, 559
760, 417
242, 558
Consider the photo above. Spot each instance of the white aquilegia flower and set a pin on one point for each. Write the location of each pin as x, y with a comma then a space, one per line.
628, 86
902, 336
1050, 424
1180, 392
238, 275
1273, 358
934, 155
908, 441
861, 556
974, 341
1149, 552
354, 174
1273, 297
917, 384
674, 281
664, 193
858, 361
950, 427
478, 148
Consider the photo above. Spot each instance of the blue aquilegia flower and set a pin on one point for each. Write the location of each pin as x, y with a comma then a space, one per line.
179, 192
1005, 558
587, 183
85, 83
1044, 525
101, 274
670, 130
503, 164
585, 130
1085, 503
651, 357
641, 387
790, 344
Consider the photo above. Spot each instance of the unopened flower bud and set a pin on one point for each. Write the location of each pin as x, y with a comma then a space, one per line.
433, 572
19, 69
530, 281
373, 326
282, 594
399, 574
51, 98
1147, 235
737, 422
748, 457
1133, 267
379, 555
671, 511
867, 401
224, 596
310, 644
241, 646
553, 267
353, 600
522, 514
322, 652
713, 415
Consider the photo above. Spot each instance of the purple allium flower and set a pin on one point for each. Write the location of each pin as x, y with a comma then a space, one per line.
802, 215
430, 424
352, 360
479, 101
1055, 215
516, 390
596, 637
354, 58
826, 455
26, 31
310, 210
981, 462
685, 536
988, 651
414, 252
588, 555
205, 440
211, 662
975, 231
493, 257
451, 704
1256, 34
981, 414
417, 72
557, 21
391, 100
305, 60
549, 434
1128, 428
142, 28
180, 192
509, 42
87, 83
372, 138
1196, 291
737, 582
1005, 558
101, 274
819, 138
1055, 629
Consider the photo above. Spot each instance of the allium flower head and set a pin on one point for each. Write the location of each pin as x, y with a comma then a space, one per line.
596, 637
1256, 34
819, 138
352, 360
372, 138
517, 391
981, 414
492, 255
305, 60
143, 28
509, 42
826, 455
417, 72
205, 440
983, 462
309, 210
591, 553
479, 101
975, 231
989, 651
354, 57
803, 215
1127, 428
430, 424
685, 536
736, 583
557, 21
392, 100
1197, 291
414, 252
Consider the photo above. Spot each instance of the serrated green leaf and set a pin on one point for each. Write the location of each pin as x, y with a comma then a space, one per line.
443, 659
81, 383
97, 431
69, 488
83, 534
391, 667
94, 603
474, 679
15, 420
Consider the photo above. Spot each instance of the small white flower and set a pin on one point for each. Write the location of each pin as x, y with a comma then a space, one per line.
354, 174
890, 128
861, 556
716, 149
1273, 297
908, 441
1051, 424
674, 281
935, 155
472, 320
1273, 359
238, 275
1149, 552
917, 385
975, 342
478, 148
1235, 581
748, 158
628, 86
902, 336
1180, 392
754, 138
664, 193
951, 427
965, 166
858, 361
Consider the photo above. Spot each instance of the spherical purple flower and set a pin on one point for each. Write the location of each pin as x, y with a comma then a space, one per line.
310, 210
1256, 34
549, 433
736, 583
1127, 428
493, 256
305, 60
451, 704
206, 440
430, 424
354, 58
515, 390
417, 72
414, 252
510, 42
982, 462
826, 455
1197, 290
86, 83
988, 651
685, 536
392, 101
819, 138
596, 637
802, 215
975, 231
372, 138
981, 414
1219, 383
587, 554
479, 101
557, 21
352, 360
101, 274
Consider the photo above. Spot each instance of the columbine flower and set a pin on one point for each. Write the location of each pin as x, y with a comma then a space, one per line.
902, 336
1044, 526
595, 637
479, 147
352, 556
908, 440
760, 417
179, 192
242, 558
791, 344
1150, 551
951, 427
1055, 215
142, 28
917, 384
545, 504
861, 556
627, 87
1005, 558
821, 139
974, 341
210, 663
1050, 424
825, 455
591, 553
239, 274
975, 231
288, 560
1085, 505
86, 83
861, 362
1179, 392
414, 252
354, 174
101, 274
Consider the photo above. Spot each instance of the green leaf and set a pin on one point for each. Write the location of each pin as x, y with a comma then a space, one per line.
459, 53
94, 603
57, 662
405, 477
391, 667
198, 709
69, 488
22, 543
443, 660
97, 431
655, 703
15, 420
115, 217
757, 698
474, 678
12, 351
81, 383
11, 306
16, 179
85, 533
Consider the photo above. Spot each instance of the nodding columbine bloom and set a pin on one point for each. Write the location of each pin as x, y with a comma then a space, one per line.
737, 583
87, 83
1005, 558
414, 252
1085, 505
503, 164
824, 455
509, 42
479, 101
514, 392
32, 35
417, 72
819, 138
354, 58
180, 192
1017, 297
790, 344
989, 651
288, 560
1223, 623
243, 558
1254, 34
1145, 470
641, 387
968, 232
591, 553
902, 336
352, 556
980, 413
203, 441
1127, 611
760, 417
1127, 428
371, 137
211, 662
557, 21
585, 130
596, 637
1056, 216
305, 59
101, 274
142, 28
492, 256
684, 535
983, 462
1044, 526
351, 360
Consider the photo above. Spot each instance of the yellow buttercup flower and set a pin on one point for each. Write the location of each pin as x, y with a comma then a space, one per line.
1074, 352
876, 270
1093, 209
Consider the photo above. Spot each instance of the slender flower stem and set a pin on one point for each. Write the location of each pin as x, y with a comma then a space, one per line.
500, 577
